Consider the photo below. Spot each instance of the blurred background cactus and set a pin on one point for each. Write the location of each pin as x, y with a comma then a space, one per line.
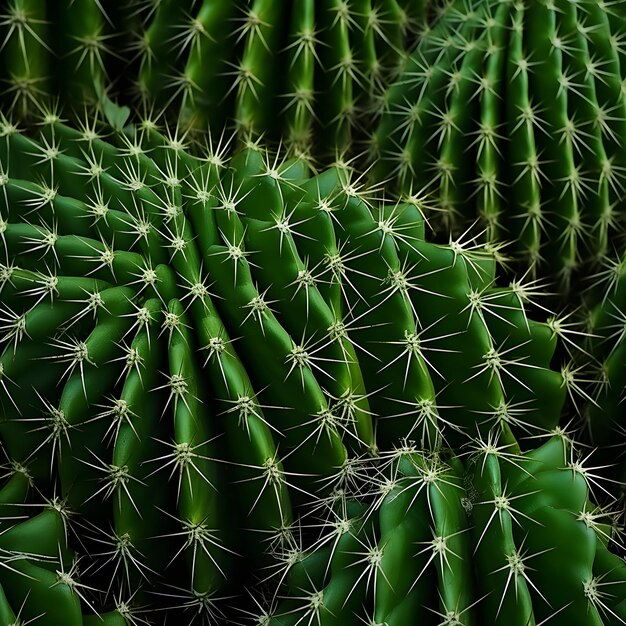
513, 113
311, 73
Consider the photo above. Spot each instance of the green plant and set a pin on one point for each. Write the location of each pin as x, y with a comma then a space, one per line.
512, 113
308, 73
198, 352
492, 537
597, 354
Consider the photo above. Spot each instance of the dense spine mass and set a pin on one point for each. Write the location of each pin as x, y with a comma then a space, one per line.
513, 113
310, 73
210, 363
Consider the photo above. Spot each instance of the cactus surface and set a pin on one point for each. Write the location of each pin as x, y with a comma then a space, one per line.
200, 354
597, 358
237, 389
443, 541
513, 114
310, 73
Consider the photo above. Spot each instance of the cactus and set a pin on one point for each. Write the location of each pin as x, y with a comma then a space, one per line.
498, 538
308, 73
532, 94
177, 326
238, 390
596, 355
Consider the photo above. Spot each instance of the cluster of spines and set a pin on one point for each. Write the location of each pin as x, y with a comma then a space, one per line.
513, 113
311, 73
243, 300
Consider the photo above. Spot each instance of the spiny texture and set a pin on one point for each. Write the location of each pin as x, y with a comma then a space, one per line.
308, 72
197, 353
596, 339
498, 538
513, 113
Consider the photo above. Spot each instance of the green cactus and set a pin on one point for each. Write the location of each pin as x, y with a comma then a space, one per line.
237, 390
177, 327
307, 73
498, 538
597, 356
512, 113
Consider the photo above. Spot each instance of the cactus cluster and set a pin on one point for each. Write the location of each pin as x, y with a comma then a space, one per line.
237, 389
513, 113
180, 327
311, 72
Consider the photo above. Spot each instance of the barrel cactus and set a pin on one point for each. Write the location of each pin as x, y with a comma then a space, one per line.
203, 357
309, 72
499, 538
512, 113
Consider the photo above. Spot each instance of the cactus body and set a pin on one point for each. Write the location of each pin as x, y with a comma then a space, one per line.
512, 113
178, 327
